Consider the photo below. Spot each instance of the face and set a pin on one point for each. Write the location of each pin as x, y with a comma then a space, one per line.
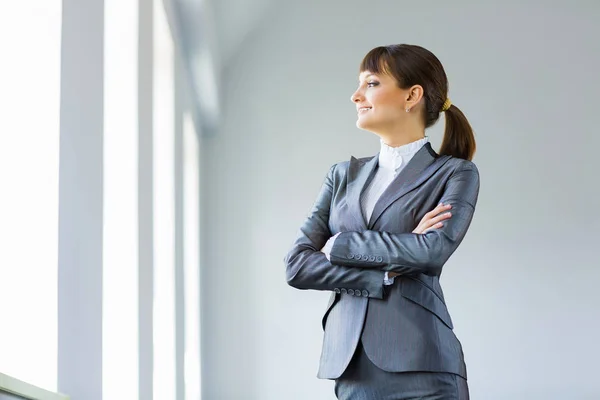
380, 103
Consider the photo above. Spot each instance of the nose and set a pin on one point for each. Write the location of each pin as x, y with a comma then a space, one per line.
356, 96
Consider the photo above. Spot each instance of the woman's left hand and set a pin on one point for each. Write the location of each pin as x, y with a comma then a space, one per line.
433, 219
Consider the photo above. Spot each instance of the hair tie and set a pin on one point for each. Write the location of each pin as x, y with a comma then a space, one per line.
446, 105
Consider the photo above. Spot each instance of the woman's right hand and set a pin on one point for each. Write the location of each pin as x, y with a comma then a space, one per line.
433, 219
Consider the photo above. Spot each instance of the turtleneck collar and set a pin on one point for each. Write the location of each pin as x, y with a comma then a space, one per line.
392, 158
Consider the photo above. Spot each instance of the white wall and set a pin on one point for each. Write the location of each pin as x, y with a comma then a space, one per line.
521, 288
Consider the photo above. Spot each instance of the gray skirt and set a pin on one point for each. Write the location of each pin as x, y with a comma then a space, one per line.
362, 380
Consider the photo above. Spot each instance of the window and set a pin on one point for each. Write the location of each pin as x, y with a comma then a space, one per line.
120, 218
29, 153
191, 262
164, 207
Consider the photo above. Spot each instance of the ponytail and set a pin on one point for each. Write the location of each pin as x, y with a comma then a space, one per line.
414, 65
459, 140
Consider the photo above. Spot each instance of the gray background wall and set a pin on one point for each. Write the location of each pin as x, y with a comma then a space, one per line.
521, 288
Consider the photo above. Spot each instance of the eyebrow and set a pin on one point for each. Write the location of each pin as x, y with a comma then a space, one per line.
367, 76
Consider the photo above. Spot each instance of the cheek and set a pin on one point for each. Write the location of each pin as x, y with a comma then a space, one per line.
389, 110
386, 102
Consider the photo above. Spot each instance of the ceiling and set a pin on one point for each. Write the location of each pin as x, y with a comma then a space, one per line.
210, 32
223, 23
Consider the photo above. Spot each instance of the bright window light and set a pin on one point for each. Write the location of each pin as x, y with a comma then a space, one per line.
120, 230
191, 248
30, 39
164, 208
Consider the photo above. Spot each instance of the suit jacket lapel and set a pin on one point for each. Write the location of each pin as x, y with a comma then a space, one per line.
423, 164
360, 174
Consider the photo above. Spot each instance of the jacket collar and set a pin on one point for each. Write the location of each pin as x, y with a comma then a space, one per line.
360, 173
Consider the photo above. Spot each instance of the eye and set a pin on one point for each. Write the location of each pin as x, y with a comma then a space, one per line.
372, 83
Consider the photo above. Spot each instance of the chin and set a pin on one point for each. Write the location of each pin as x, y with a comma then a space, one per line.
364, 125
361, 124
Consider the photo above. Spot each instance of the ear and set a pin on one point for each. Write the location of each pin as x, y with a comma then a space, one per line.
414, 95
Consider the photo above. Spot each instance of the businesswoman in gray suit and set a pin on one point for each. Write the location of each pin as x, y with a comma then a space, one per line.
382, 229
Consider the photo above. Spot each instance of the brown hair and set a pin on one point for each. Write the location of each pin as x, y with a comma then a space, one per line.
413, 65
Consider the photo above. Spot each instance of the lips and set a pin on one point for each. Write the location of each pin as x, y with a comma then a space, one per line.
361, 110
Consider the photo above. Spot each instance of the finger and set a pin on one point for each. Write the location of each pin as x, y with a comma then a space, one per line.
436, 226
438, 209
441, 217
434, 212
435, 220
420, 228
443, 207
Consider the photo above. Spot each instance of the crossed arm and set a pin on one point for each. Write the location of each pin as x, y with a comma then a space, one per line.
308, 268
410, 253
405, 253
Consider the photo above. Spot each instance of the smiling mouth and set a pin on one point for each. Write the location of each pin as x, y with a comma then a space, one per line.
363, 110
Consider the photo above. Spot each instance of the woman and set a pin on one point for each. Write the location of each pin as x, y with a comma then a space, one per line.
388, 333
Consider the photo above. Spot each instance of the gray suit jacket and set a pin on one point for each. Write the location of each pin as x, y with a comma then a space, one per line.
406, 326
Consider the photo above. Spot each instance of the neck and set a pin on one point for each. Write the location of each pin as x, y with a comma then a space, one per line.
399, 134
397, 140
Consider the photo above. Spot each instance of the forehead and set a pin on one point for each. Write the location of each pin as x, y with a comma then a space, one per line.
368, 74
365, 74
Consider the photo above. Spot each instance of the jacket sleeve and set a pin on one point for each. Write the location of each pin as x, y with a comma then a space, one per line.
308, 268
410, 253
